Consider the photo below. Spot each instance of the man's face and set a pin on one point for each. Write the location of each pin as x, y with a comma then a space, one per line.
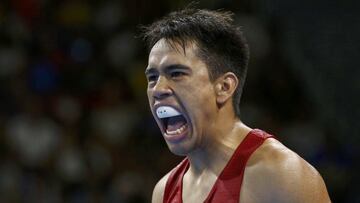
181, 96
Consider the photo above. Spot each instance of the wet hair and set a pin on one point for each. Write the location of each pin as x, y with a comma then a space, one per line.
221, 44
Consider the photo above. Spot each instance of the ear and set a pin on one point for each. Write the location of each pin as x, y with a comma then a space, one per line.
225, 87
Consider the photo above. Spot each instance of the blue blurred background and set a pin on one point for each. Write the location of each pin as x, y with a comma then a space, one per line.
74, 119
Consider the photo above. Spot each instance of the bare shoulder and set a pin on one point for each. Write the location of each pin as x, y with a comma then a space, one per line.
158, 192
274, 173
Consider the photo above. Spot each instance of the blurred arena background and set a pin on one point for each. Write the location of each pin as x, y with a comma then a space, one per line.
74, 119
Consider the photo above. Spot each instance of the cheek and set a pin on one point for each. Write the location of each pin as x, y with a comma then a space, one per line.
148, 92
200, 100
203, 90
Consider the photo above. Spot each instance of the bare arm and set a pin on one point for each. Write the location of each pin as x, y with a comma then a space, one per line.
298, 181
158, 192
277, 174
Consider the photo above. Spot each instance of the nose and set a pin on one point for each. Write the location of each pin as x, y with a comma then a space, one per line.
162, 89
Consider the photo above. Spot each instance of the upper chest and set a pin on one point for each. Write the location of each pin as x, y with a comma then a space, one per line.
204, 190
197, 189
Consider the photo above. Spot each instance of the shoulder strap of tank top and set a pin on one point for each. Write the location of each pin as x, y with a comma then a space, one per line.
229, 182
173, 188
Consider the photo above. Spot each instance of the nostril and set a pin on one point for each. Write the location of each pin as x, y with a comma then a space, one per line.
162, 94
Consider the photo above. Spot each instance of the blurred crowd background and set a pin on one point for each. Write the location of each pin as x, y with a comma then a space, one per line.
74, 119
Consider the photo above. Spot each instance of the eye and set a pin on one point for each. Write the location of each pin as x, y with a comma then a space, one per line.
176, 74
151, 77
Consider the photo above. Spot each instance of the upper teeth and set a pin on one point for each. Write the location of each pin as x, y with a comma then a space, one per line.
166, 111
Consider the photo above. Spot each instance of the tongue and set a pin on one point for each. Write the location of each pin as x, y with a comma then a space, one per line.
175, 123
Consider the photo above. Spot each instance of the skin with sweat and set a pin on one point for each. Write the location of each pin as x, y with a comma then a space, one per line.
178, 78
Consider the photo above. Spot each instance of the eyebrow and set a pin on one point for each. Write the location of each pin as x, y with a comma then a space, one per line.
167, 68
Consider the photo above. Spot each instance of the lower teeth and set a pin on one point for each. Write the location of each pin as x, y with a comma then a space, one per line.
178, 131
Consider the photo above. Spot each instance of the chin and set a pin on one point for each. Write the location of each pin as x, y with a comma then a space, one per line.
178, 149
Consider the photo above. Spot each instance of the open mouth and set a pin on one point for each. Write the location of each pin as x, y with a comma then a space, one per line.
174, 123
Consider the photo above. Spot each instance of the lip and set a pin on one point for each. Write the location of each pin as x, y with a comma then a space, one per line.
171, 138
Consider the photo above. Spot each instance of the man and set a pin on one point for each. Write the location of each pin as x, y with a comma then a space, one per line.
196, 72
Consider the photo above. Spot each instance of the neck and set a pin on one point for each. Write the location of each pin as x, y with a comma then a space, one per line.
220, 144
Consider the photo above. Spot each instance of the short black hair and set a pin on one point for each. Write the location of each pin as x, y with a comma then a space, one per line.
222, 45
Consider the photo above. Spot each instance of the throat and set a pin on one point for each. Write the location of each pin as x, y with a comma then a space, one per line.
197, 189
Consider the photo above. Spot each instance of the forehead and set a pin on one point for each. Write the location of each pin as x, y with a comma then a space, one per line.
164, 52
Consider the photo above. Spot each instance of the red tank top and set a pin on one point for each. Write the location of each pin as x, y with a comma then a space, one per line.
228, 185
